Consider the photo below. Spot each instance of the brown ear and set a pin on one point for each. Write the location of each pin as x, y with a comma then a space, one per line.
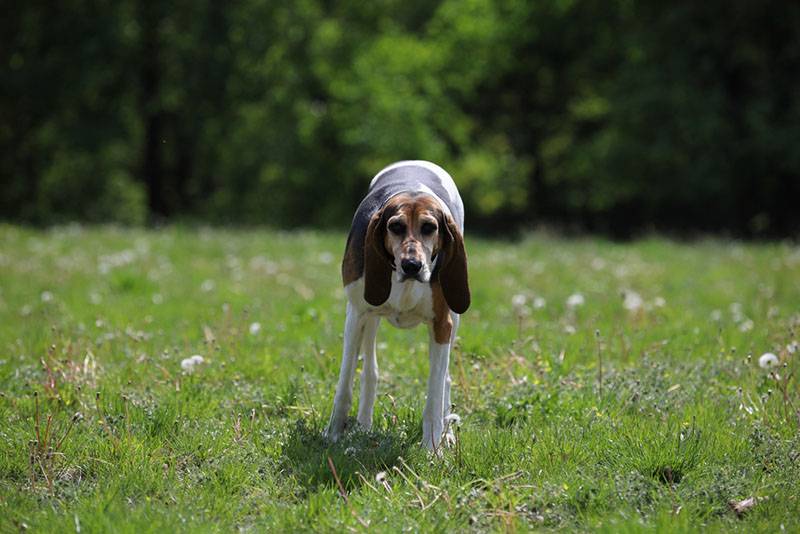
453, 272
377, 262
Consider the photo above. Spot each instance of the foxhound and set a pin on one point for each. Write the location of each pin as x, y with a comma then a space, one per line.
405, 262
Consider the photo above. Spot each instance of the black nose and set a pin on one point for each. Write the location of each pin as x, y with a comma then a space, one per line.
411, 266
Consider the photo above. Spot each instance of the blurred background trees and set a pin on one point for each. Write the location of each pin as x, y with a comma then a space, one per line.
612, 116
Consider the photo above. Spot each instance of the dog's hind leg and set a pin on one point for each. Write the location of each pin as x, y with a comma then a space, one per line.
343, 399
369, 374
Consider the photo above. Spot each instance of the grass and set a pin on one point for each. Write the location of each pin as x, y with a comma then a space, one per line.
641, 409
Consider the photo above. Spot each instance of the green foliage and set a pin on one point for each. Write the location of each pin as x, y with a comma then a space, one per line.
611, 116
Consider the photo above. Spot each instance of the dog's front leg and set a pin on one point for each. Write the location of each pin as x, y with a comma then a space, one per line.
433, 415
449, 436
369, 374
343, 399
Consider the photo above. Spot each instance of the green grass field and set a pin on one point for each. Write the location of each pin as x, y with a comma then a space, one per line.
639, 409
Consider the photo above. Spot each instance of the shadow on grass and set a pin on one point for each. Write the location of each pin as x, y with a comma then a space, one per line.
305, 454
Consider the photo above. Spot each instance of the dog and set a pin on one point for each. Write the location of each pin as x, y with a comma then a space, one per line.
405, 262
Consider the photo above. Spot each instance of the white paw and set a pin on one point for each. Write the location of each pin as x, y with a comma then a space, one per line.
365, 422
334, 430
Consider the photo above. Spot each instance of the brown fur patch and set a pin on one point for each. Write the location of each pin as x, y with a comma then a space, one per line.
377, 261
453, 273
352, 263
442, 323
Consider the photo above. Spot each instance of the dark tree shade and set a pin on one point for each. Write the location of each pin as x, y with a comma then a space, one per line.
608, 116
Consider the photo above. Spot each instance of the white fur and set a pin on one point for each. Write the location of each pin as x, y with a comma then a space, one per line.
447, 180
409, 304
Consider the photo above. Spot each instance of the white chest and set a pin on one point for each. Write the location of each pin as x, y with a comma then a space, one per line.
409, 302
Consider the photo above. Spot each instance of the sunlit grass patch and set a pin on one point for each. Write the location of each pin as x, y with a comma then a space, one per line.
600, 386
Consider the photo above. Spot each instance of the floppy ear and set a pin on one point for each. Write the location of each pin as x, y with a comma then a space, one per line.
377, 262
453, 272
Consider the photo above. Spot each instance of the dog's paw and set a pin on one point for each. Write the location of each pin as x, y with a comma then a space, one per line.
333, 431
331, 435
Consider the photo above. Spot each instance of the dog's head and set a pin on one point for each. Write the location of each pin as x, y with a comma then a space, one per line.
413, 236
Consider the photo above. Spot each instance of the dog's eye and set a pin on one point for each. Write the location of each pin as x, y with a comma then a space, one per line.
397, 228
428, 228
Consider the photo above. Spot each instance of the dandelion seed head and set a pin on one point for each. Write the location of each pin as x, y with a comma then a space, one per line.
189, 364
255, 328
632, 301
453, 419
767, 360
575, 300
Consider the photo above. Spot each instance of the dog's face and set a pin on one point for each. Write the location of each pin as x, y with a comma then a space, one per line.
407, 235
412, 237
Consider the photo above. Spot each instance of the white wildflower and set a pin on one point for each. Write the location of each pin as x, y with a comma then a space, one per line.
157, 298
188, 364
746, 325
255, 328
539, 303
518, 301
47, 296
598, 264
659, 302
792, 347
736, 312
633, 301
453, 419
768, 360
716, 316
207, 286
575, 300
569, 329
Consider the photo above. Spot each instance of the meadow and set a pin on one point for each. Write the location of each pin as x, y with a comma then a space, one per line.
601, 387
